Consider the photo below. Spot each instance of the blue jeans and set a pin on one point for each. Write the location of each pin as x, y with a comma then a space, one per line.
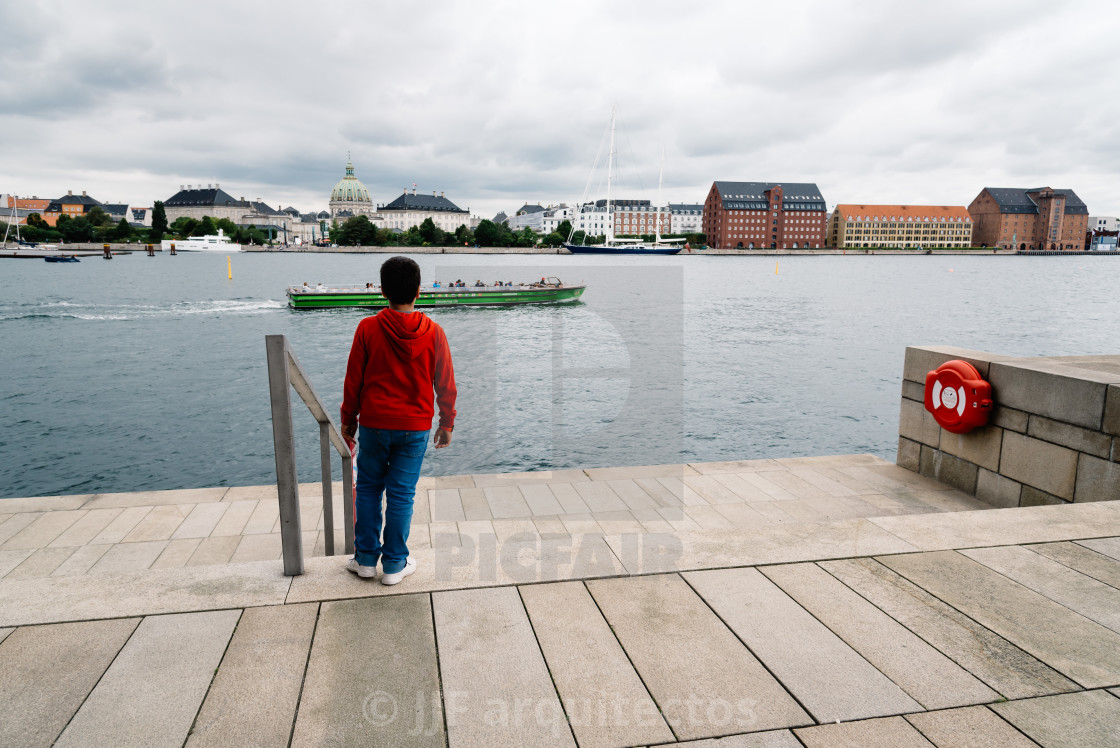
388, 461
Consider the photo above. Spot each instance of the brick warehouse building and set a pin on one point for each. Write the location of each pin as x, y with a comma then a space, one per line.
1038, 219
764, 215
900, 226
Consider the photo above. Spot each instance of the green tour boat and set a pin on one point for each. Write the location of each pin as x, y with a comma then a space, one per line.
545, 291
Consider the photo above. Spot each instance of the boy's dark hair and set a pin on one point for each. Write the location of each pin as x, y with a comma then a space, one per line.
400, 280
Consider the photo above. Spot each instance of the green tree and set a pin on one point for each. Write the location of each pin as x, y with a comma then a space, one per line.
122, 232
205, 227
183, 227
464, 235
431, 233
226, 225
555, 239
578, 237
159, 223
526, 237
98, 217
75, 229
564, 229
35, 220
357, 231
487, 233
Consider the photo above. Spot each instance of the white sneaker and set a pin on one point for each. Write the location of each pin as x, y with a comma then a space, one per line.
397, 576
365, 572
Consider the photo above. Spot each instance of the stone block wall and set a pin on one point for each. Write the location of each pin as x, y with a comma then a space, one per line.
1053, 437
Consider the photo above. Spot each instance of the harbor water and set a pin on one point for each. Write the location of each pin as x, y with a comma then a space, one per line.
149, 373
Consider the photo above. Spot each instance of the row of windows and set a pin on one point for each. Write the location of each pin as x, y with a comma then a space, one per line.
903, 224
927, 232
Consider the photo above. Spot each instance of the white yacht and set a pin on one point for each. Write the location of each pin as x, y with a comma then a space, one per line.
211, 243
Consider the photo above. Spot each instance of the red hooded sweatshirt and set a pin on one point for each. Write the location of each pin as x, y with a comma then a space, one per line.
395, 361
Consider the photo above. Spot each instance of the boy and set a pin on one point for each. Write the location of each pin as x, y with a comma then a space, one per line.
398, 356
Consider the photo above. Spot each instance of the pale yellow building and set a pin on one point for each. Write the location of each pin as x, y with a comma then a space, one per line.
903, 226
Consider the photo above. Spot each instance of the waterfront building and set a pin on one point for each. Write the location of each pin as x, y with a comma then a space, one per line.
760, 215
1104, 223
593, 218
70, 205
554, 215
213, 201
23, 207
136, 217
638, 217
411, 209
527, 216
686, 218
905, 226
350, 197
1029, 219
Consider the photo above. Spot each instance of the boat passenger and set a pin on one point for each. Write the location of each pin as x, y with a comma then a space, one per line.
320, 287
436, 285
306, 288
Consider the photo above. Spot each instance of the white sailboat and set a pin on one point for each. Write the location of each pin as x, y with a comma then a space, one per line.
613, 246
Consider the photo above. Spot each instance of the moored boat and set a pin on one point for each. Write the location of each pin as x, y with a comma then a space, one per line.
210, 243
61, 258
550, 291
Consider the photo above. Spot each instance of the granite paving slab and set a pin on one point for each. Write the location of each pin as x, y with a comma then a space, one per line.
258, 547
372, 677
1080, 649
251, 493
506, 502
41, 563
121, 525
713, 549
88, 527
745, 490
217, 550
827, 676
821, 481
761, 480
201, 521
1073, 720
44, 529
75, 598
176, 553
497, 688
545, 476
885, 732
1004, 667
646, 471
11, 559
968, 727
770, 739
47, 673
1037, 524
518, 560
445, 505
1082, 594
1079, 558
124, 557
705, 681
43, 503
540, 499
926, 674
605, 701
474, 503
4, 633
80, 560
158, 498
599, 497
1106, 546
734, 466
160, 523
150, 695
633, 495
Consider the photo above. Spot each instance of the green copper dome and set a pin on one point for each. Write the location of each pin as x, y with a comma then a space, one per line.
349, 189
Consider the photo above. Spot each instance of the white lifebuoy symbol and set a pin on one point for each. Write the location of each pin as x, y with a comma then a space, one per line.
948, 398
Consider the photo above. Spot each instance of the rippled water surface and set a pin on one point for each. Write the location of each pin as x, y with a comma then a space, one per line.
148, 373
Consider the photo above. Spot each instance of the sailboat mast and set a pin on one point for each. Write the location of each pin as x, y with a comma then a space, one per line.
610, 165
660, 178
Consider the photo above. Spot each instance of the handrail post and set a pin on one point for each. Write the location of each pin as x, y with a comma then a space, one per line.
287, 483
348, 501
328, 500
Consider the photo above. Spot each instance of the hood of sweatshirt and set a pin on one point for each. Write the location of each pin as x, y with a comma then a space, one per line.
405, 331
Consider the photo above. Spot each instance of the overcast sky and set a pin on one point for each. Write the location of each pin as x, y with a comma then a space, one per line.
498, 104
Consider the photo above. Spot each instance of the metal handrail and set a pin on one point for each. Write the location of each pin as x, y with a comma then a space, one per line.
284, 374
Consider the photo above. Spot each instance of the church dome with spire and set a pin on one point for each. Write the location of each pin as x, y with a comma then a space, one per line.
350, 194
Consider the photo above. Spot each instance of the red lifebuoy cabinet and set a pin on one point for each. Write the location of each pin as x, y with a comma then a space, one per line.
958, 397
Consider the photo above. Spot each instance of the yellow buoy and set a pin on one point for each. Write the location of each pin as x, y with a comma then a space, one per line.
229, 267
776, 268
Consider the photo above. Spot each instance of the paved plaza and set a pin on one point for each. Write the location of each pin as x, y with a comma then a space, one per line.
836, 601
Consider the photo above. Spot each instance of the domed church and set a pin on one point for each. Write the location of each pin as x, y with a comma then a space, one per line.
350, 197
